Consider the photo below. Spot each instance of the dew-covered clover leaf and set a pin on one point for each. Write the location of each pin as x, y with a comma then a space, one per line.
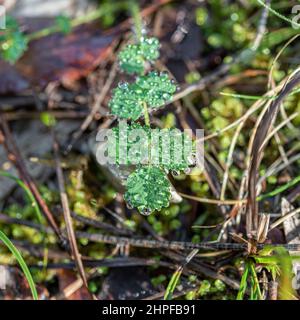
153, 89
157, 88
126, 102
150, 48
148, 189
133, 57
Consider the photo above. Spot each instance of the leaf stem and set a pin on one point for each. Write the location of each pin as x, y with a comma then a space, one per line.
135, 12
91, 16
146, 114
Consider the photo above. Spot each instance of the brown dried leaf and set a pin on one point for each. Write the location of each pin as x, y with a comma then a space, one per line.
65, 58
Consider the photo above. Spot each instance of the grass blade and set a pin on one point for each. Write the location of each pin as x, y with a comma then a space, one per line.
173, 283
243, 284
21, 262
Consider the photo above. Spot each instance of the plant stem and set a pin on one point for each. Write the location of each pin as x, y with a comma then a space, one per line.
96, 14
146, 114
74, 23
135, 12
279, 190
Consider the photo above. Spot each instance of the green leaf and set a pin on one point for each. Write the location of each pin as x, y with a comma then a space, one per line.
172, 284
48, 119
133, 57
13, 42
148, 189
157, 88
13, 46
126, 102
154, 89
243, 283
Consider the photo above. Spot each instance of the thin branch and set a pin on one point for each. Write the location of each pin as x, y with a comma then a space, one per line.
66, 212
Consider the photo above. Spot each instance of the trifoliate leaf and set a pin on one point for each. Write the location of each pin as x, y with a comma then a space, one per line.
133, 57
148, 189
154, 89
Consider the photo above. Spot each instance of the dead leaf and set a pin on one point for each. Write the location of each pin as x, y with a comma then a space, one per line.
65, 58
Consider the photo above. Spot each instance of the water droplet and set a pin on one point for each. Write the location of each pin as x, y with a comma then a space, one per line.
123, 85
175, 197
146, 212
187, 170
175, 173
192, 159
129, 205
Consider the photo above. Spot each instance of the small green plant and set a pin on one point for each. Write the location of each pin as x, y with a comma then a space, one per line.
147, 188
275, 260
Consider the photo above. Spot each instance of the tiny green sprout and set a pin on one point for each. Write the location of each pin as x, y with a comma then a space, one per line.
133, 57
148, 189
153, 89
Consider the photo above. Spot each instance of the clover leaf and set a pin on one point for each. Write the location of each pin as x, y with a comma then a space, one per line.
133, 57
148, 189
153, 89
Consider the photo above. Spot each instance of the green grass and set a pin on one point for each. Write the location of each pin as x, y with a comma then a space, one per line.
172, 284
21, 262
